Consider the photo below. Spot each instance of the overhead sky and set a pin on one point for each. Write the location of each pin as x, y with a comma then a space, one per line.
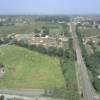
49, 6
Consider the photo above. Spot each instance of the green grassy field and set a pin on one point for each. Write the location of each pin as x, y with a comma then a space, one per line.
70, 76
27, 69
20, 28
71, 91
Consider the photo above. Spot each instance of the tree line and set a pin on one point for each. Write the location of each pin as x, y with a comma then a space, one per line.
92, 62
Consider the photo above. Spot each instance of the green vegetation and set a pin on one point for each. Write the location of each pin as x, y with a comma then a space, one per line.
89, 32
51, 51
37, 67
36, 31
54, 18
1, 66
26, 69
1, 97
49, 73
67, 64
20, 28
70, 92
92, 61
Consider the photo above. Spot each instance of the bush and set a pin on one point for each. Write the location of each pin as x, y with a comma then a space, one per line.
1, 66
92, 62
96, 85
2, 97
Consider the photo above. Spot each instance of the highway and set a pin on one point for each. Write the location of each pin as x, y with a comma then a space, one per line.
87, 91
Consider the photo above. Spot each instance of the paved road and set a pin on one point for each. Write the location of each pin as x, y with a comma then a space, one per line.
86, 87
85, 84
23, 92
12, 97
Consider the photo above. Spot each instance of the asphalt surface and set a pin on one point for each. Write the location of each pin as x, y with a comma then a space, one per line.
87, 91
23, 92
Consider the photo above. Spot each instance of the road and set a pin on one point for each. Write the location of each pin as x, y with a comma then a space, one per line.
86, 86
84, 81
23, 92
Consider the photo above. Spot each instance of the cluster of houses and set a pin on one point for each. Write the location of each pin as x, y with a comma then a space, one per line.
46, 40
92, 39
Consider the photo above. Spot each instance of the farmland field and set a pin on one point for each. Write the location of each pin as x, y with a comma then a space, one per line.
89, 32
29, 69
20, 28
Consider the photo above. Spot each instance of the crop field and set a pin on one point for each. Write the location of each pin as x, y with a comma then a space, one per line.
21, 28
28, 69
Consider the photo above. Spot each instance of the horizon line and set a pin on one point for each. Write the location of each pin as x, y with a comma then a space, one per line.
84, 14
